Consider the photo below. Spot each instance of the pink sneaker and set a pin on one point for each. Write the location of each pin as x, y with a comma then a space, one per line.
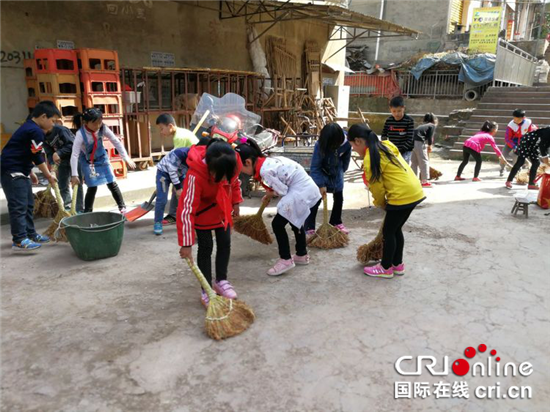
300, 260
342, 228
205, 300
377, 271
399, 270
508, 185
281, 267
476, 179
225, 289
310, 232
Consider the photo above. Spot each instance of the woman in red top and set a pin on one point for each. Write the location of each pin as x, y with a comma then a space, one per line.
210, 199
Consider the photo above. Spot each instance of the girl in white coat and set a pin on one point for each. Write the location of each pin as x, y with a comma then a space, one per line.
298, 192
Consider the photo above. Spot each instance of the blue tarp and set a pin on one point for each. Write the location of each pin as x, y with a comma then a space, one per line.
476, 70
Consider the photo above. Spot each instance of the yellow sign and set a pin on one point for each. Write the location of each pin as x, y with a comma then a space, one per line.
484, 30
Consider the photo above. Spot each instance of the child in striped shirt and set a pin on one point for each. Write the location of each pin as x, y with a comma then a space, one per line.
399, 128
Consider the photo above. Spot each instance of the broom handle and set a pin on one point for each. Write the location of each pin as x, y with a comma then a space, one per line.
202, 280
58, 197
325, 209
262, 208
73, 200
201, 121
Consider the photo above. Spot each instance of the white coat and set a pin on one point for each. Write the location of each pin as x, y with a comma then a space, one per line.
298, 190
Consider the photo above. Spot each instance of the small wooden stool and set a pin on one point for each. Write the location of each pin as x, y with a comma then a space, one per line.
521, 205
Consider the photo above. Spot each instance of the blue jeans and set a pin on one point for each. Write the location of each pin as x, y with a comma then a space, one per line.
163, 188
64, 180
20, 199
407, 156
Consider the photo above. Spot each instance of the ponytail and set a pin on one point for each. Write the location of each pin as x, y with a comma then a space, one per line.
89, 115
249, 150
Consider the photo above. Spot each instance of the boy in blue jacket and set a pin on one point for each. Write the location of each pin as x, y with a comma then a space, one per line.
22, 152
331, 157
170, 170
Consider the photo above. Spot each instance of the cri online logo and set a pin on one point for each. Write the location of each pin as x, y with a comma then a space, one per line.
461, 366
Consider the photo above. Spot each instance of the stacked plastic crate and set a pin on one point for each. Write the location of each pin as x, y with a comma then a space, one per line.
100, 84
53, 75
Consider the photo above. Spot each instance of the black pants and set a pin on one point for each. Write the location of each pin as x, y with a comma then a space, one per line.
535, 163
223, 252
466, 152
279, 228
91, 192
335, 215
394, 241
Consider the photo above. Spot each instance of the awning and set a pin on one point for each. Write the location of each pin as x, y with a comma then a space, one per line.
334, 68
353, 25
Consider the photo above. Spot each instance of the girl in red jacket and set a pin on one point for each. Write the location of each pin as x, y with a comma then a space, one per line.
210, 199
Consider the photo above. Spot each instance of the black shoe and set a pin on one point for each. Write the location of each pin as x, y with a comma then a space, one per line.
169, 220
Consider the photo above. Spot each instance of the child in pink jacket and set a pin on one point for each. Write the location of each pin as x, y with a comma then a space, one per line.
475, 145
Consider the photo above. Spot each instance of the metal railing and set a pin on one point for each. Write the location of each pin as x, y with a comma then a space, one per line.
438, 83
513, 65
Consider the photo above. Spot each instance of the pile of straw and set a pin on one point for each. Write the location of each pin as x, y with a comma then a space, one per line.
45, 204
522, 177
435, 174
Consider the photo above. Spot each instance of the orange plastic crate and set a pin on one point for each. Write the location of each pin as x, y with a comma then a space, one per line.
56, 61
110, 148
68, 106
119, 168
115, 124
30, 68
32, 88
97, 60
109, 104
92, 82
58, 85
32, 102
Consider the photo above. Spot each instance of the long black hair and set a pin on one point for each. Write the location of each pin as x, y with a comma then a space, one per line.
331, 138
89, 115
375, 147
249, 150
221, 160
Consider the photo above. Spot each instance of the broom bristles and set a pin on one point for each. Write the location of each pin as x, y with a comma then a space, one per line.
327, 236
372, 250
253, 226
226, 318
435, 174
53, 230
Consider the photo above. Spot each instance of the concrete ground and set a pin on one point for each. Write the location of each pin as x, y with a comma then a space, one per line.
126, 333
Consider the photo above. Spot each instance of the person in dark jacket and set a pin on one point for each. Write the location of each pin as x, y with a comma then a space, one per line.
22, 152
58, 145
331, 157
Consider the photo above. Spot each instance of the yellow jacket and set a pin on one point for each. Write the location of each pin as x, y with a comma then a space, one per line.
397, 185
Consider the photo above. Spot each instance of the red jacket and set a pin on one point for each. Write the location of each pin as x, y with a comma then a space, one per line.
205, 204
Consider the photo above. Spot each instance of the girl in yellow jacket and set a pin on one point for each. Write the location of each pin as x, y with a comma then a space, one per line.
394, 188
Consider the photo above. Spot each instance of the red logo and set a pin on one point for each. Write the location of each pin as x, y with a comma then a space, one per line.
461, 366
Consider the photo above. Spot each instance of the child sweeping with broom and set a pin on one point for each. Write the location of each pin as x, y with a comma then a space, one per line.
88, 149
299, 194
331, 157
394, 187
210, 198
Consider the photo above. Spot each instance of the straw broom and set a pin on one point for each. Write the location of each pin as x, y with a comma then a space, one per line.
45, 204
51, 230
60, 234
372, 250
254, 226
327, 236
435, 174
523, 176
224, 317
